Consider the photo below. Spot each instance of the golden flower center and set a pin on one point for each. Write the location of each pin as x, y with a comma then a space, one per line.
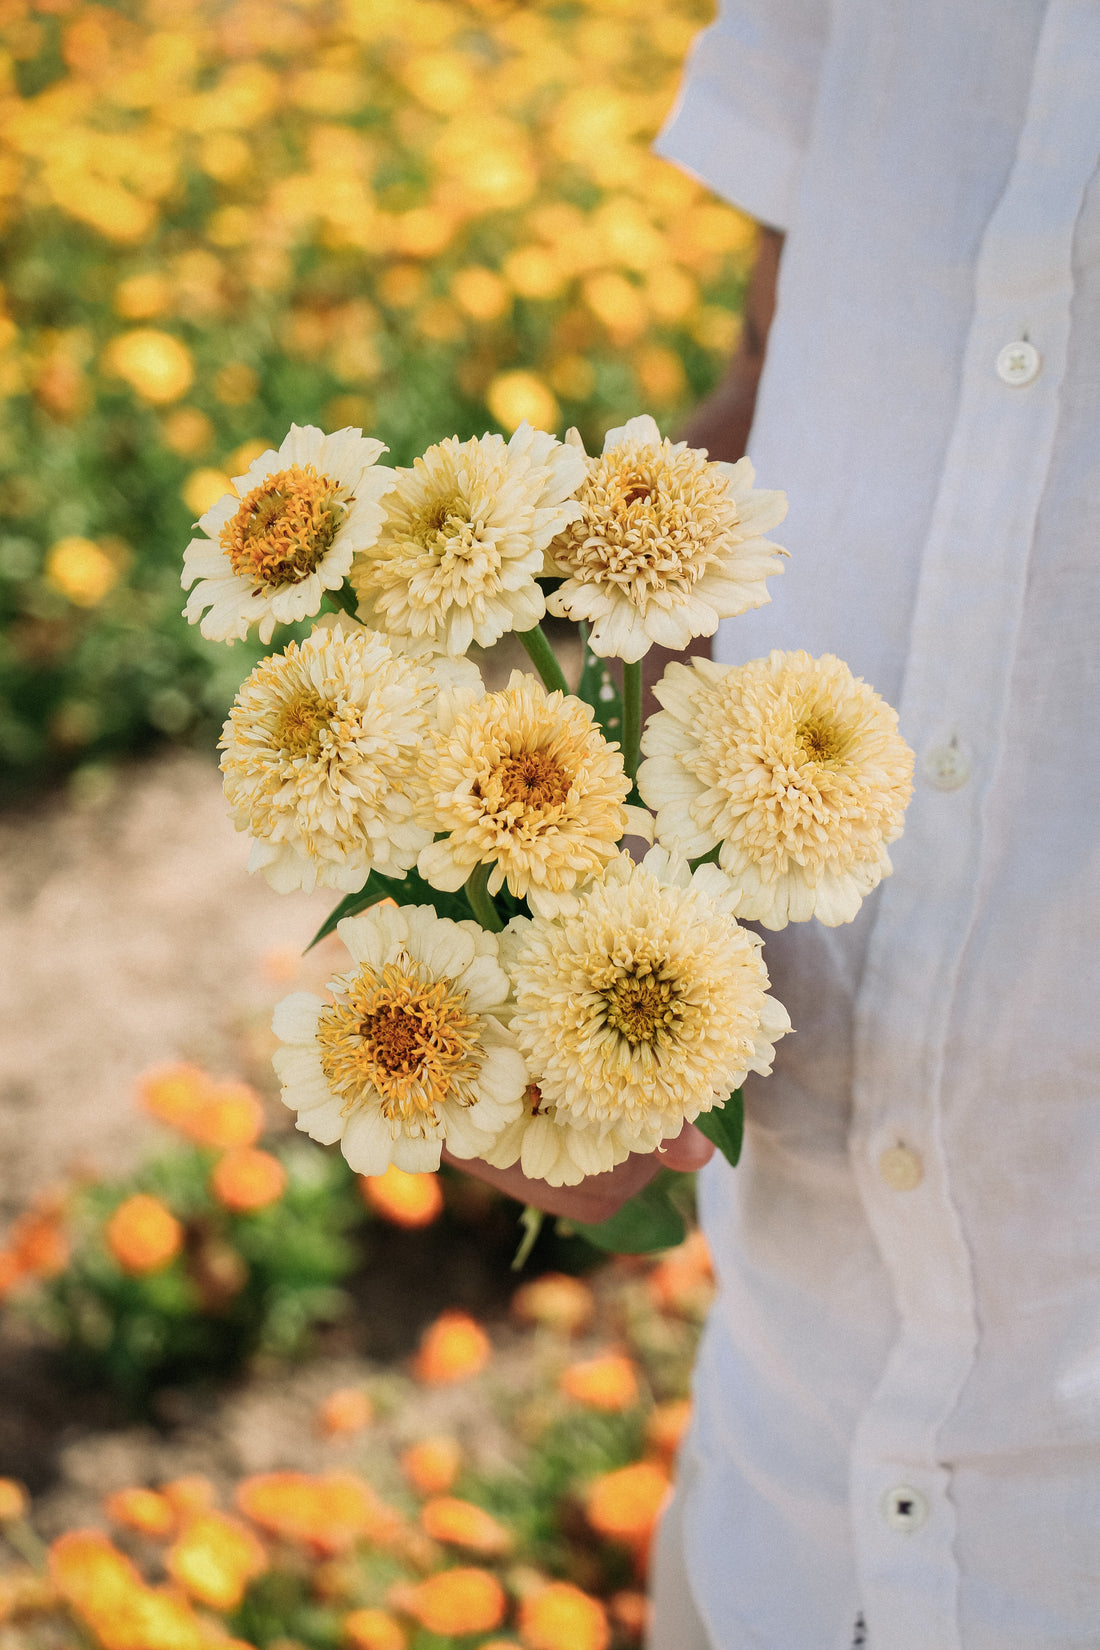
403, 1041
640, 1007
284, 528
534, 780
819, 738
300, 723
443, 521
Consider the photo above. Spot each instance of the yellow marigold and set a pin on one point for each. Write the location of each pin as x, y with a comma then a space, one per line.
328, 1513
374, 1630
462, 546
431, 1465
457, 1602
522, 780
665, 546
248, 1179
452, 1348
608, 1382
346, 1411
214, 1559
555, 1301
408, 1200
141, 1509
192, 1493
143, 1235
154, 363
562, 1617
643, 1008
792, 767
286, 534
462, 1524
13, 1500
625, 1504
412, 1053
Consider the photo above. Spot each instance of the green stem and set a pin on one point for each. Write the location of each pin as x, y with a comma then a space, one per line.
531, 1221
632, 717
544, 659
481, 901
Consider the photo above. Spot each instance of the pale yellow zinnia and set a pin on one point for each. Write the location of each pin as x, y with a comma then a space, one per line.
665, 546
792, 767
462, 546
643, 1009
522, 780
286, 534
319, 760
413, 1051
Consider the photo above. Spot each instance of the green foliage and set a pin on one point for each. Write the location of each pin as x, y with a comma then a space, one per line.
725, 1125
653, 1219
242, 1284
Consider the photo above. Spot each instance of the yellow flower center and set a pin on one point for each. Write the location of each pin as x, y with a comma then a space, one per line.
285, 526
405, 1040
299, 724
444, 520
641, 1007
819, 738
533, 780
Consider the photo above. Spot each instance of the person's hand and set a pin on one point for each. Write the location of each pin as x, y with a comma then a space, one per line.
601, 1195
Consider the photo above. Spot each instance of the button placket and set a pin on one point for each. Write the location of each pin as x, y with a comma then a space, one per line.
1018, 363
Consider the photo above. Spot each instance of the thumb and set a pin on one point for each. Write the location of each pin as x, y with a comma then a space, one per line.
688, 1151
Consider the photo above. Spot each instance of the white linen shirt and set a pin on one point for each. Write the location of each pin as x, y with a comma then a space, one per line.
898, 1393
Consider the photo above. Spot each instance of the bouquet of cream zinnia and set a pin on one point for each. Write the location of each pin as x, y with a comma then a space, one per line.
519, 987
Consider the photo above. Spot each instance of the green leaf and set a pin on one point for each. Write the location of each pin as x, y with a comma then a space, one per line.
649, 1221
598, 688
725, 1125
410, 889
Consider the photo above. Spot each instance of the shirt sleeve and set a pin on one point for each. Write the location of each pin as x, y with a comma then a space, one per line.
742, 119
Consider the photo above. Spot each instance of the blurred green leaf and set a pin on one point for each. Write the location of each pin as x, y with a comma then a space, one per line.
649, 1221
725, 1125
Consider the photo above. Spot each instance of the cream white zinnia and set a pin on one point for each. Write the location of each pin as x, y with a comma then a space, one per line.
286, 535
462, 546
319, 758
665, 545
644, 1009
412, 1053
792, 767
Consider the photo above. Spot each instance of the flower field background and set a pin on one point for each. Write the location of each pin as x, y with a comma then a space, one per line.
423, 218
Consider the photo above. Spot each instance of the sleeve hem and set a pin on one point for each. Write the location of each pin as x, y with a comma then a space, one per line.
753, 169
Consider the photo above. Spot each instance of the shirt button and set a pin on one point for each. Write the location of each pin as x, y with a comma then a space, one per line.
1018, 363
901, 1168
904, 1509
946, 766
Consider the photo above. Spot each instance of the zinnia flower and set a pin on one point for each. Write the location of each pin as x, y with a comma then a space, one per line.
320, 750
286, 535
462, 546
666, 544
412, 1052
525, 781
645, 1008
792, 767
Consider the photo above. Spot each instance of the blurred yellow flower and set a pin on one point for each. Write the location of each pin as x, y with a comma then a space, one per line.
563, 1617
143, 1235
457, 1602
187, 431
203, 488
157, 365
236, 384
247, 1179
534, 271
214, 1559
141, 1509
608, 1382
515, 396
661, 374
441, 81
344, 1412
224, 155
373, 1630
431, 1466
480, 292
84, 571
140, 297
408, 1200
618, 303
462, 1524
452, 1348
13, 1500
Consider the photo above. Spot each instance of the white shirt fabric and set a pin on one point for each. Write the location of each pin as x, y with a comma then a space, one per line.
898, 1394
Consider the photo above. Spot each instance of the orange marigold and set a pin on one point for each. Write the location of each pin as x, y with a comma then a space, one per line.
408, 1200
431, 1466
11, 1271
143, 1235
344, 1411
562, 1617
193, 1493
555, 1301
174, 1094
666, 1426
233, 1115
453, 1602
246, 1179
374, 1630
608, 1382
683, 1280
39, 1241
625, 1504
462, 1524
141, 1509
214, 1559
453, 1347
630, 1613
329, 1512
